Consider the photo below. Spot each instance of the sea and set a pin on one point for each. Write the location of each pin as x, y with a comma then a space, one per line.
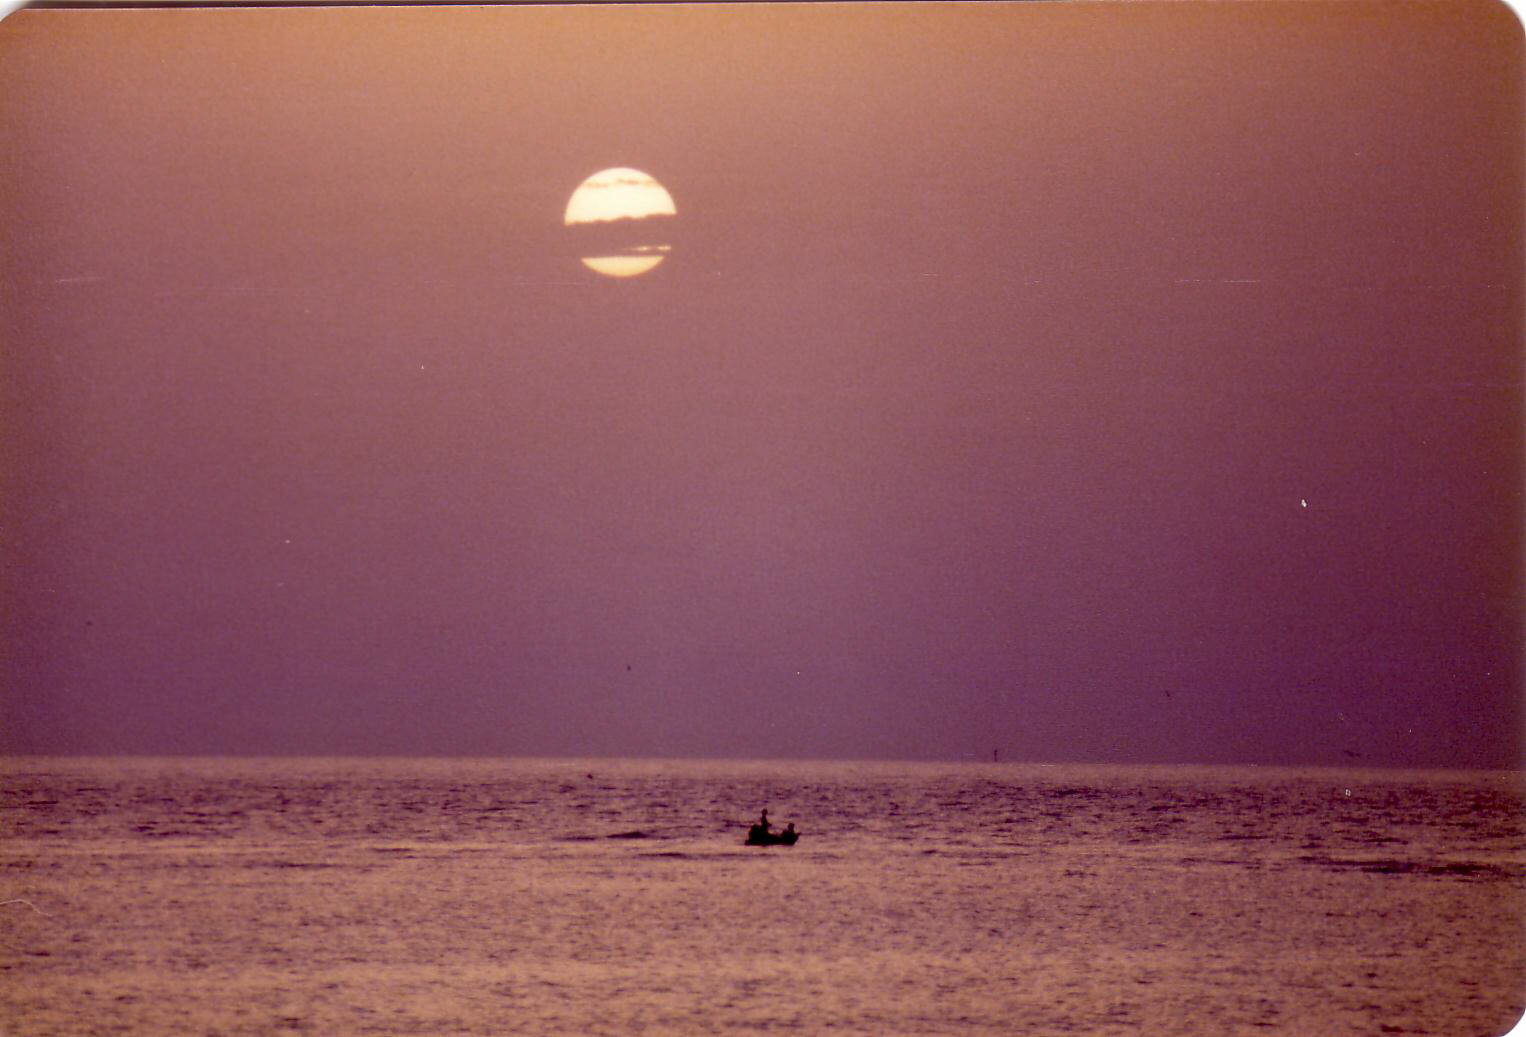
543, 897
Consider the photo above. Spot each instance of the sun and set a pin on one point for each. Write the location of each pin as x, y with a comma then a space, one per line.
620, 218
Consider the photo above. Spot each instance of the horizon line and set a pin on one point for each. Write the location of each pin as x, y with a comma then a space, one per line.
1519, 768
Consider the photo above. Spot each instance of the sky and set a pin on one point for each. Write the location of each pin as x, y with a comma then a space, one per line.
1133, 383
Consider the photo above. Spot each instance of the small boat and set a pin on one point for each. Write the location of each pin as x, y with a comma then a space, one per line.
757, 835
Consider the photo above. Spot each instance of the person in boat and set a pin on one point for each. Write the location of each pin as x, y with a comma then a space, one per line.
789, 830
762, 824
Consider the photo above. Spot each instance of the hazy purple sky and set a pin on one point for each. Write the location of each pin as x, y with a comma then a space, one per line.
1098, 382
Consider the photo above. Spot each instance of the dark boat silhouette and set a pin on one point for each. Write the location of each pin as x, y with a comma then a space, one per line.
757, 835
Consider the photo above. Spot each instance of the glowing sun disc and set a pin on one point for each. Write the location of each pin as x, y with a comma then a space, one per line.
629, 208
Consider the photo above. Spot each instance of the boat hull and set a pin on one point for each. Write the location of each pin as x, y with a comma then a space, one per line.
758, 837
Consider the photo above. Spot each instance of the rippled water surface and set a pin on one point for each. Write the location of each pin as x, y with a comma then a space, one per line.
482, 897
